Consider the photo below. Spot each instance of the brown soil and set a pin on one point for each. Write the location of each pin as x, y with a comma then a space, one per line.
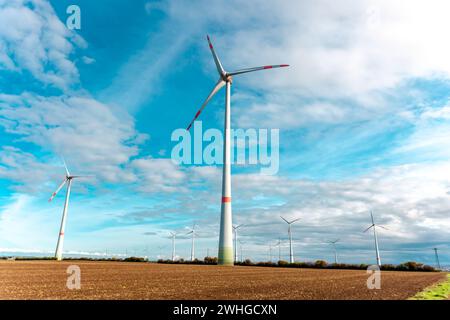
120, 280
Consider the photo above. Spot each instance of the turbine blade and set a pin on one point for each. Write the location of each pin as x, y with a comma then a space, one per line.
84, 176
371, 215
216, 58
284, 219
241, 71
65, 167
219, 85
295, 220
369, 228
382, 227
57, 190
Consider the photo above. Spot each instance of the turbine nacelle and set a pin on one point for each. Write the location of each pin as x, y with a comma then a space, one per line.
68, 177
226, 77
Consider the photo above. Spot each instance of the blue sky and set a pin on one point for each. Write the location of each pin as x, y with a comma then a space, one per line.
363, 113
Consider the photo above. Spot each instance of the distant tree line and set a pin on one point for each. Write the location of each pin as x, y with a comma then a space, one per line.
319, 264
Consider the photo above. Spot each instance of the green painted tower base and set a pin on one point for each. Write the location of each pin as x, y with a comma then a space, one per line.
226, 256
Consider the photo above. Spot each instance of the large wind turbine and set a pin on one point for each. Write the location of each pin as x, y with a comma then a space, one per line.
67, 181
291, 251
173, 235
193, 242
225, 79
335, 251
374, 226
235, 228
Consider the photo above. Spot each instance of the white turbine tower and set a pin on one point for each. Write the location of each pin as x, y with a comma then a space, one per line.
225, 79
334, 248
291, 251
173, 235
67, 180
279, 248
374, 226
235, 228
193, 242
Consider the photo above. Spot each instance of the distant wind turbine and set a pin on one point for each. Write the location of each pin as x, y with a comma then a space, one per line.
225, 256
438, 264
235, 228
193, 242
173, 235
335, 251
240, 247
279, 248
67, 181
291, 251
374, 226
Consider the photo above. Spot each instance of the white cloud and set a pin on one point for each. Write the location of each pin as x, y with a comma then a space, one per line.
86, 132
35, 40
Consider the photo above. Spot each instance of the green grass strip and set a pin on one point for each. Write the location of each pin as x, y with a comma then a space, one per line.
441, 291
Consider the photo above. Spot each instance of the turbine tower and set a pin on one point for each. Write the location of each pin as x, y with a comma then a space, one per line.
335, 251
67, 181
438, 264
235, 228
225, 256
291, 252
374, 226
173, 235
193, 242
240, 247
279, 248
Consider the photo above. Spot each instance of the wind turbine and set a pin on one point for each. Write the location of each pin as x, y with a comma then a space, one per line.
438, 264
335, 251
279, 248
374, 226
225, 256
235, 228
67, 181
291, 252
173, 235
193, 242
240, 247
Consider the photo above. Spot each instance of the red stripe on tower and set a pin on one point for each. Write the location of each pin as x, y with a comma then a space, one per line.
226, 199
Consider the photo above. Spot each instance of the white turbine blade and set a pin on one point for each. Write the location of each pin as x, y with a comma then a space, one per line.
382, 227
192, 231
57, 190
295, 220
371, 215
241, 71
217, 87
284, 219
369, 228
65, 167
216, 58
84, 176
